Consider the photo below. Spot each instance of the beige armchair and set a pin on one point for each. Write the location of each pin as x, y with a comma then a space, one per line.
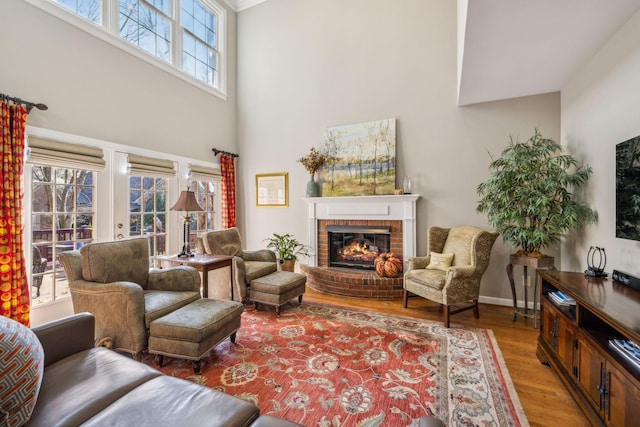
247, 265
430, 277
113, 281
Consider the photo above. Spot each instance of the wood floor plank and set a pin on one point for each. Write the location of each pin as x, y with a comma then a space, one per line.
545, 400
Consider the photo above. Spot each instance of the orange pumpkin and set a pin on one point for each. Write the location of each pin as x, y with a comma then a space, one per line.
388, 265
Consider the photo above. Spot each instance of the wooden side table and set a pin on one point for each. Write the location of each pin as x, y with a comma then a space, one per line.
546, 263
203, 263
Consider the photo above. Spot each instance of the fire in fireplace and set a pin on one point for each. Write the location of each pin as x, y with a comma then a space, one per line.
357, 246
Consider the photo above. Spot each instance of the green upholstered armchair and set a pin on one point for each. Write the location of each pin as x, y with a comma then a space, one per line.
455, 284
247, 265
113, 281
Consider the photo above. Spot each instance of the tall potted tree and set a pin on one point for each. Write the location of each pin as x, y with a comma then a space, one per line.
529, 196
287, 249
528, 199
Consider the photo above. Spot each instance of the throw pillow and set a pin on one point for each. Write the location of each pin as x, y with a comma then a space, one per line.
21, 369
440, 261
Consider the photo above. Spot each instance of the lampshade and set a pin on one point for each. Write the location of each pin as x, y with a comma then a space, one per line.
187, 202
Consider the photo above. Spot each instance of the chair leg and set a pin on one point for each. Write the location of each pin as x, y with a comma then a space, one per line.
159, 359
405, 298
447, 315
476, 311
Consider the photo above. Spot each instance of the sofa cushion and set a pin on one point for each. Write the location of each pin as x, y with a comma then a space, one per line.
78, 387
122, 260
223, 242
460, 243
21, 369
427, 277
256, 269
440, 261
161, 303
169, 401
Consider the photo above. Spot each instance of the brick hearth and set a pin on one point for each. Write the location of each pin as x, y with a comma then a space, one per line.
352, 283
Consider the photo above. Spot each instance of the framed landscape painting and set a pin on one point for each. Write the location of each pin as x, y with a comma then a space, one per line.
361, 159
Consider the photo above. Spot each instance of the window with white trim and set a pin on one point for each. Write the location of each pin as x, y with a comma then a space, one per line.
60, 179
204, 182
88, 9
199, 41
148, 211
204, 221
62, 217
184, 34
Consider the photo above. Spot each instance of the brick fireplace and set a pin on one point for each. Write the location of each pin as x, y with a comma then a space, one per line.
397, 214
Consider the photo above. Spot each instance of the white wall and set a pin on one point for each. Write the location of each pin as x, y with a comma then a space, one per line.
304, 66
600, 106
96, 90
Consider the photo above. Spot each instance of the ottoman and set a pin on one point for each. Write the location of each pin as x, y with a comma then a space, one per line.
191, 331
277, 288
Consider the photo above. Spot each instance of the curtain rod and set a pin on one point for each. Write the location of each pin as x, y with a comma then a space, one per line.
28, 104
216, 152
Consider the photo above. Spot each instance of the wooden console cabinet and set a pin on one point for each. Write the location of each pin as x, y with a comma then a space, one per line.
574, 341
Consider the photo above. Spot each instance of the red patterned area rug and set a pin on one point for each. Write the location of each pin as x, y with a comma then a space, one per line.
325, 366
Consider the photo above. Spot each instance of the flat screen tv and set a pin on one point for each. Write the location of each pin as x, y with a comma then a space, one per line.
628, 189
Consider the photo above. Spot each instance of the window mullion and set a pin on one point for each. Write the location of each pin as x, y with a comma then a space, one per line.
110, 10
176, 34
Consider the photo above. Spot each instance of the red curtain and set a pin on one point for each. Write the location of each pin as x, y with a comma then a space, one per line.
14, 289
228, 196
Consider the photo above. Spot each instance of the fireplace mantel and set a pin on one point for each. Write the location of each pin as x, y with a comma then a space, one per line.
392, 207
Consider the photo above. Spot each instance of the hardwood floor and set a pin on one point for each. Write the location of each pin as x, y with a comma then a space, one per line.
545, 399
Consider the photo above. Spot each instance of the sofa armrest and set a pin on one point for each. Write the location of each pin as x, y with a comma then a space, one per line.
461, 272
416, 263
239, 279
177, 279
259, 255
119, 309
64, 337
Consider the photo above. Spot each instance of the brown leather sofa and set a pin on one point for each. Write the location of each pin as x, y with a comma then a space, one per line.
94, 386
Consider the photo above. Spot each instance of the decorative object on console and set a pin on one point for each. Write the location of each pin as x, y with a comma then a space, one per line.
593, 269
360, 159
287, 248
186, 202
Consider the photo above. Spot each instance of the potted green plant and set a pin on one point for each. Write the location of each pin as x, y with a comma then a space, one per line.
287, 249
529, 197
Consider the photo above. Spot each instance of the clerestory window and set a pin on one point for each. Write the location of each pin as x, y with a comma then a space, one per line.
185, 35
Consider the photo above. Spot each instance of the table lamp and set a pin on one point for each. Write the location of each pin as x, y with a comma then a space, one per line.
186, 202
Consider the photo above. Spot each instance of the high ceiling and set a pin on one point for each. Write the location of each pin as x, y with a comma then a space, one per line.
516, 48
513, 48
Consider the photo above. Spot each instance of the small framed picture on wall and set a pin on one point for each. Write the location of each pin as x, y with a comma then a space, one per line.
272, 189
